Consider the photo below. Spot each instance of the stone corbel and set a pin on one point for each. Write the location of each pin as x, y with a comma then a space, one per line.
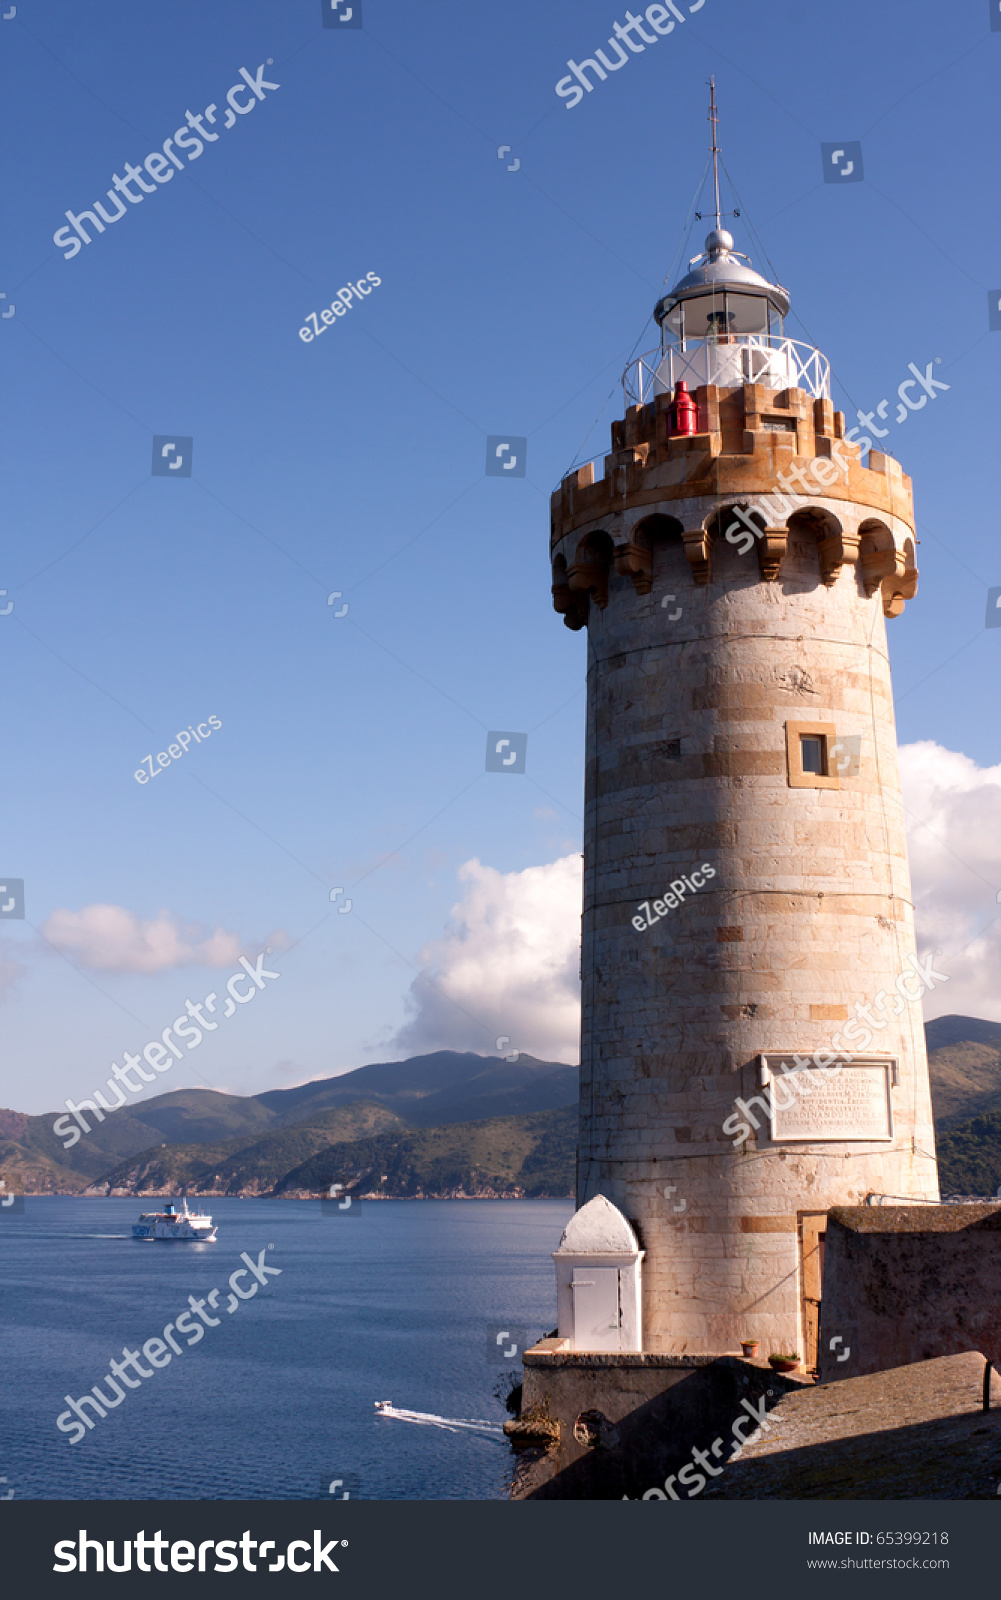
573, 608
590, 577
877, 565
771, 548
898, 587
698, 552
635, 560
834, 551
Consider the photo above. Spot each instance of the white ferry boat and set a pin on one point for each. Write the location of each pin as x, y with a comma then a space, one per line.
173, 1224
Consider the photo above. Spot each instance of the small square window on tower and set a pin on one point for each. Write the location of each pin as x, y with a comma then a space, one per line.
808, 747
813, 753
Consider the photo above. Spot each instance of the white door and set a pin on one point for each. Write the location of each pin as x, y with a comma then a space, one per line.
595, 1293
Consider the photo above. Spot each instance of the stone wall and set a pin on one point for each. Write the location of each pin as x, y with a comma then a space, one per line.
628, 1421
909, 1283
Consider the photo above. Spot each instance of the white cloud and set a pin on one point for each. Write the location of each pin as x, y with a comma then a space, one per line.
112, 939
953, 816
509, 966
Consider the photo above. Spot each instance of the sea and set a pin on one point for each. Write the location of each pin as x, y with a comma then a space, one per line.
426, 1304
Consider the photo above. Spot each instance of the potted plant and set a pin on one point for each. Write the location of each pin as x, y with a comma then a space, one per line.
749, 1347
784, 1362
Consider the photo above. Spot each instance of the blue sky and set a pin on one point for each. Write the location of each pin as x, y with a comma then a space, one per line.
508, 301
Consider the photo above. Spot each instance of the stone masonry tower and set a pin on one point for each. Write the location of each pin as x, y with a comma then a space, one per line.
733, 569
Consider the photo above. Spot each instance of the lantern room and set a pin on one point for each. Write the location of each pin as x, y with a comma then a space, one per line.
723, 323
721, 299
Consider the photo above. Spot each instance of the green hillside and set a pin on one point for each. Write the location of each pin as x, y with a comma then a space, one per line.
108, 1141
447, 1123
236, 1166
194, 1116
965, 1082
430, 1091
969, 1156
25, 1171
368, 1150
528, 1157
957, 1030
445, 1087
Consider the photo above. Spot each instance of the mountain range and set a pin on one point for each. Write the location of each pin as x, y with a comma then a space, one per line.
445, 1124
207, 1142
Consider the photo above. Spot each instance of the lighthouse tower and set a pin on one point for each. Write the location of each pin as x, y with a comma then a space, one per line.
752, 1048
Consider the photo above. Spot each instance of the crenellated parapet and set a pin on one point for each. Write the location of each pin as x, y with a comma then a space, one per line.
766, 464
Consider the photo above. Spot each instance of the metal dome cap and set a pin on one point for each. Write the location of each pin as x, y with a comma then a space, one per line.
721, 267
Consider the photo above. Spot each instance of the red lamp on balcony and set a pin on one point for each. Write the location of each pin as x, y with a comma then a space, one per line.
683, 412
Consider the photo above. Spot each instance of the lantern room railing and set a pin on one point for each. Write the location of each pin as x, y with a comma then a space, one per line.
776, 363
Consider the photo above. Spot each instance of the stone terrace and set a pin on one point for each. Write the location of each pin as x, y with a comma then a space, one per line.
914, 1433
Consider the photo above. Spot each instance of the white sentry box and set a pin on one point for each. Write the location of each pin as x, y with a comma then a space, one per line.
598, 1281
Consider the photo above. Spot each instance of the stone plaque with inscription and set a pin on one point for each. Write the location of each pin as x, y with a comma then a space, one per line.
812, 1105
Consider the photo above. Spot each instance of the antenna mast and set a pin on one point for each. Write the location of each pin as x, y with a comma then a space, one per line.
714, 121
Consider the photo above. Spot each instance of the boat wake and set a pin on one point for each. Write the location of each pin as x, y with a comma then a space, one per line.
71, 1234
428, 1419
